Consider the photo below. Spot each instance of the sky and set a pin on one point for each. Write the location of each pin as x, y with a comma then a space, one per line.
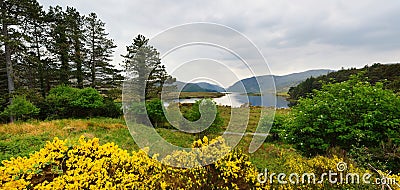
292, 36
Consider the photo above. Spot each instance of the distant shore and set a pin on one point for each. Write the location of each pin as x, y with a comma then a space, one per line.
283, 94
189, 95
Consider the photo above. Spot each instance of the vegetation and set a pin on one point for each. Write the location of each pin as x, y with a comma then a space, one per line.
155, 112
189, 95
88, 164
351, 115
143, 62
68, 102
388, 74
207, 106
20, 109
57, 82
22, 139
47, 48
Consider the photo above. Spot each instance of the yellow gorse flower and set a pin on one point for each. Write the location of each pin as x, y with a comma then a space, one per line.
86, 164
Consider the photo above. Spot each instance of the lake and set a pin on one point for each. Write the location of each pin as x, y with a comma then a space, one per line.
238, 99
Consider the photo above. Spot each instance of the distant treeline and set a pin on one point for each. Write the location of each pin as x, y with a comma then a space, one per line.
389, 74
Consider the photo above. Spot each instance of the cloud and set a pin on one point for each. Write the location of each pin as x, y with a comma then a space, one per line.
292, 35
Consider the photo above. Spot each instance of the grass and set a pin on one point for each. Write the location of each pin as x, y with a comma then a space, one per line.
283, 94
188, 95
252, 94
253, 115
21, 139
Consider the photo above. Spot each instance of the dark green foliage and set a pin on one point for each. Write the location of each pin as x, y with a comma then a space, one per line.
102, 74
351, 114
67, 102
155, 112
76, 35
45, 48
59, 44
278, 131
110, 108
20, 109
194, 115
387, 73
142, 61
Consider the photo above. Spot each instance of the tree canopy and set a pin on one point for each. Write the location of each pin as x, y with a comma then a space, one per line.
351, 114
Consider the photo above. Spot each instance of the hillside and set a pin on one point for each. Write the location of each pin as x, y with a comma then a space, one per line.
212, 87
191, 87
282, 83
375, 73
198, 87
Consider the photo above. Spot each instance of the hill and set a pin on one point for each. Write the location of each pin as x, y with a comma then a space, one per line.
389, 73
198, 87
212, 87
195, 87
282, 83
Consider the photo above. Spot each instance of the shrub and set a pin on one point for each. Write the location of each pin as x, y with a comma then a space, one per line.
208, 112
21, 109
110, 108
65, 102
278, 131
89, 165
155, 112
88, 98
347, 115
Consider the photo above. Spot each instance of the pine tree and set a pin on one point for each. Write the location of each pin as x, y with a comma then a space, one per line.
76, 36
100, 49
30, 70
59, 44
14, 14
3, 82
143, 63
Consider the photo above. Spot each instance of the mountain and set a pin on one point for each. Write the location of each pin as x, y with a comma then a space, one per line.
282, 83
195, 87
211, 87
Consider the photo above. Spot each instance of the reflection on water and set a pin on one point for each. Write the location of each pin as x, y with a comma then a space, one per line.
237, 99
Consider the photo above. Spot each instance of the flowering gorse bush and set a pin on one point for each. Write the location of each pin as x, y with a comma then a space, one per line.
89, 165
86, 164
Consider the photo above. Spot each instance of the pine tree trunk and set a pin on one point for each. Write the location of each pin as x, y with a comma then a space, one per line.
93, 66
9, 67
41, 67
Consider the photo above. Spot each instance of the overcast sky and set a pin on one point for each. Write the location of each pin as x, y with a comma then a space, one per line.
293, 36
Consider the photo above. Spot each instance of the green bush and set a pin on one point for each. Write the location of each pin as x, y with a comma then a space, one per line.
88, 98
155, 112
351, 114
194, 115
278, 131
65, 102
110, 108
20, 109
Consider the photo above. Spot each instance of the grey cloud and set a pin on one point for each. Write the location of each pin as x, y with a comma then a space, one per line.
293, 35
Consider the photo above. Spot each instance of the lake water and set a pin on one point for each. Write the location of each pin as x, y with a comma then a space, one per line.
238, 99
